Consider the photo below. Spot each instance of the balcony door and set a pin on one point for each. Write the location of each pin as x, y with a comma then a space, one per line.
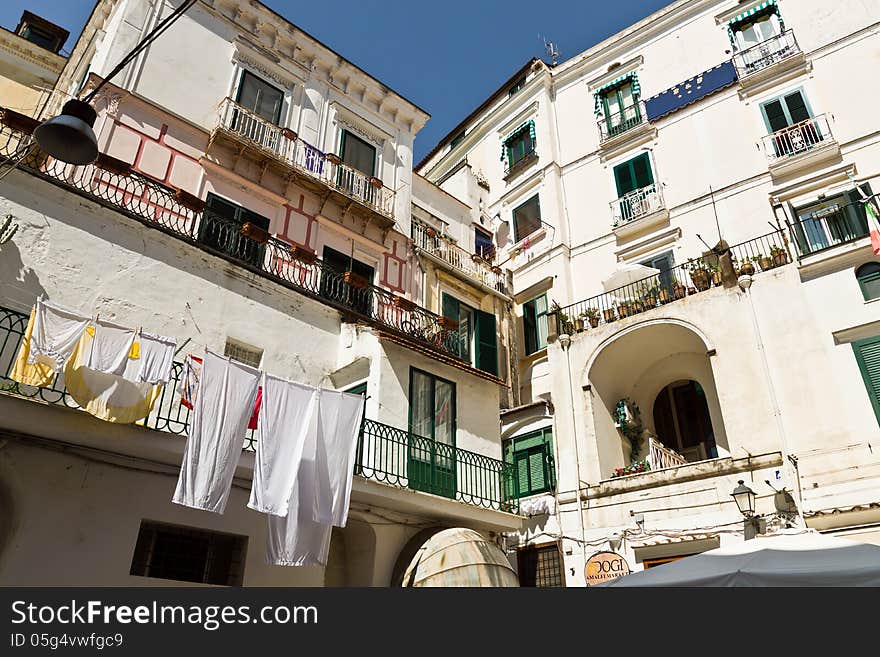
432, 425
831, 221
220, 229
334, 286
683, 423
361, 157
757, 31
634, 180
781, 115
259, 99
621, 109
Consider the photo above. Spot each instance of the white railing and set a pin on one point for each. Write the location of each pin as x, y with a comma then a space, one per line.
765, 54
660, 456
636, 204
622, 121
427, 239
798, 138
284, 144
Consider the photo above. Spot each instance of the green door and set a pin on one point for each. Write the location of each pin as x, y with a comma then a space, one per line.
431, 457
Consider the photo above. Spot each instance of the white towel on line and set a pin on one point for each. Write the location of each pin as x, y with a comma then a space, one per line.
156, 358
339, 425
227, 391
297, 540
110, 349
55, 334
285, 416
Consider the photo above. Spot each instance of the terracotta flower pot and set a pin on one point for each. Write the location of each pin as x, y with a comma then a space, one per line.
700, 277
594, 322
189, 201
765, 263
255, 233
403, 304
608, 313
664, 295
780, 258
354, 280
716, 278
376, 182
333, 158
748, 269
302, 254
679, 291
287, 133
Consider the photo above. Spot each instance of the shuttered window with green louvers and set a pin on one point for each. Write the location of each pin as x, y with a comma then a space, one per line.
868, 357
532, 458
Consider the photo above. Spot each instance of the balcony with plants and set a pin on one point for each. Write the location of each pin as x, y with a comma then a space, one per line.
385, 454
112, 183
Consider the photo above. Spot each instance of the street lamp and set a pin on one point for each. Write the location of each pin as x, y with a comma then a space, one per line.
745, 502
70, 137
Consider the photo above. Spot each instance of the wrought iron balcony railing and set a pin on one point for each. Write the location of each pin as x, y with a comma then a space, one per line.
637, 204
669, 285
386, 454
285, 145
619, 122
765, 54
798, 138
185, 217
475, 266
829, 227
660, 456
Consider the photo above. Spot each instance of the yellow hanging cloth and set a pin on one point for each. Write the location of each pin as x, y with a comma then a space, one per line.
36, 374
107, 396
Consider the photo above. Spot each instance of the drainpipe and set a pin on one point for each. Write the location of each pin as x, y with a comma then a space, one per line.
565, 343
789, 460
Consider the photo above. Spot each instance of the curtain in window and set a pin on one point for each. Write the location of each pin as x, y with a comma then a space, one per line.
630, 78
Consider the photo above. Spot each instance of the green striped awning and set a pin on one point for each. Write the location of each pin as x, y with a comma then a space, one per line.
751, 12
632, 78
768, 6
530, 125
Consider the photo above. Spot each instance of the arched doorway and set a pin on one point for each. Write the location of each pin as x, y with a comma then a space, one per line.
682, 421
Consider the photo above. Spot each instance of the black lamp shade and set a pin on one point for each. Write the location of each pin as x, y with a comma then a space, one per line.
69, 136
745, 499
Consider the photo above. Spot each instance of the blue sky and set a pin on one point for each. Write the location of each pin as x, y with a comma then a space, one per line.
446, 56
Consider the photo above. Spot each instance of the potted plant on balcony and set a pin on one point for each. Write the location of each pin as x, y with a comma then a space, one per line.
448, 323
679, 291
609, 314
700, 275
403, 303
302, 254
624, 309
715, 273
334, 159
747, 269
376, 182
189, 201
763, 261
565, 321
592, 316
255, 233
287, 133
780, 257
650, 295
355, 280
663, 294
496, 269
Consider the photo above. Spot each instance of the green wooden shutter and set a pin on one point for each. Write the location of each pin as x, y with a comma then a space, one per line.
450, 307
521, 462
797, 107
530, 327
537, 473
486, 342
642, 171
775, 115
623, 177
868, 357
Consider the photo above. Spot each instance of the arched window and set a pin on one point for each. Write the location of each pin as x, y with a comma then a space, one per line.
869, 280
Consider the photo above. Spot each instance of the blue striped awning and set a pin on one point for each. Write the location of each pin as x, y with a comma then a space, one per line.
530, 125
631, 78
691, 90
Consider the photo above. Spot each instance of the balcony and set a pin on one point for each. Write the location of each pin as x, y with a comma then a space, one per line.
670, 285
624, 130
659, 457
765, 54
830, 227
769, 63
800, 146
471, 265
305, 162
110, 183
645, 206
385, 454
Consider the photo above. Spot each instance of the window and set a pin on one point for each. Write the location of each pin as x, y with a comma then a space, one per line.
633, 175
535, 324
220, 229
243, 353
869, 280
868, 357
260, 97
477, 334
831, 221
532, 459
526, 219
788, 119
187, 554
457, 139
519, 145
756, 28
334, 286
483, 245
540, 566
664, 263
40, 37
785, 111
358, 154
432, 423
519, 84
621, 109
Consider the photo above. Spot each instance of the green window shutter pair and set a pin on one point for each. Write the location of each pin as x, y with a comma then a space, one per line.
535, 326
532, 457
484, 331
868, 357
633, 174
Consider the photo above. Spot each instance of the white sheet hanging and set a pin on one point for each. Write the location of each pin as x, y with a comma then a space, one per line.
285, 416
227, 390
110, 348
56, 332
339, 424
297, 540
156, 356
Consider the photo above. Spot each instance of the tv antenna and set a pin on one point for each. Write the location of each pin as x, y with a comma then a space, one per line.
551, 50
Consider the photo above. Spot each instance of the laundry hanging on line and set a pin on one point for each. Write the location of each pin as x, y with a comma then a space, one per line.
56, 332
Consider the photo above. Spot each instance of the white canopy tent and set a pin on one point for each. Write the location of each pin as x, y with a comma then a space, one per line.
789, 558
